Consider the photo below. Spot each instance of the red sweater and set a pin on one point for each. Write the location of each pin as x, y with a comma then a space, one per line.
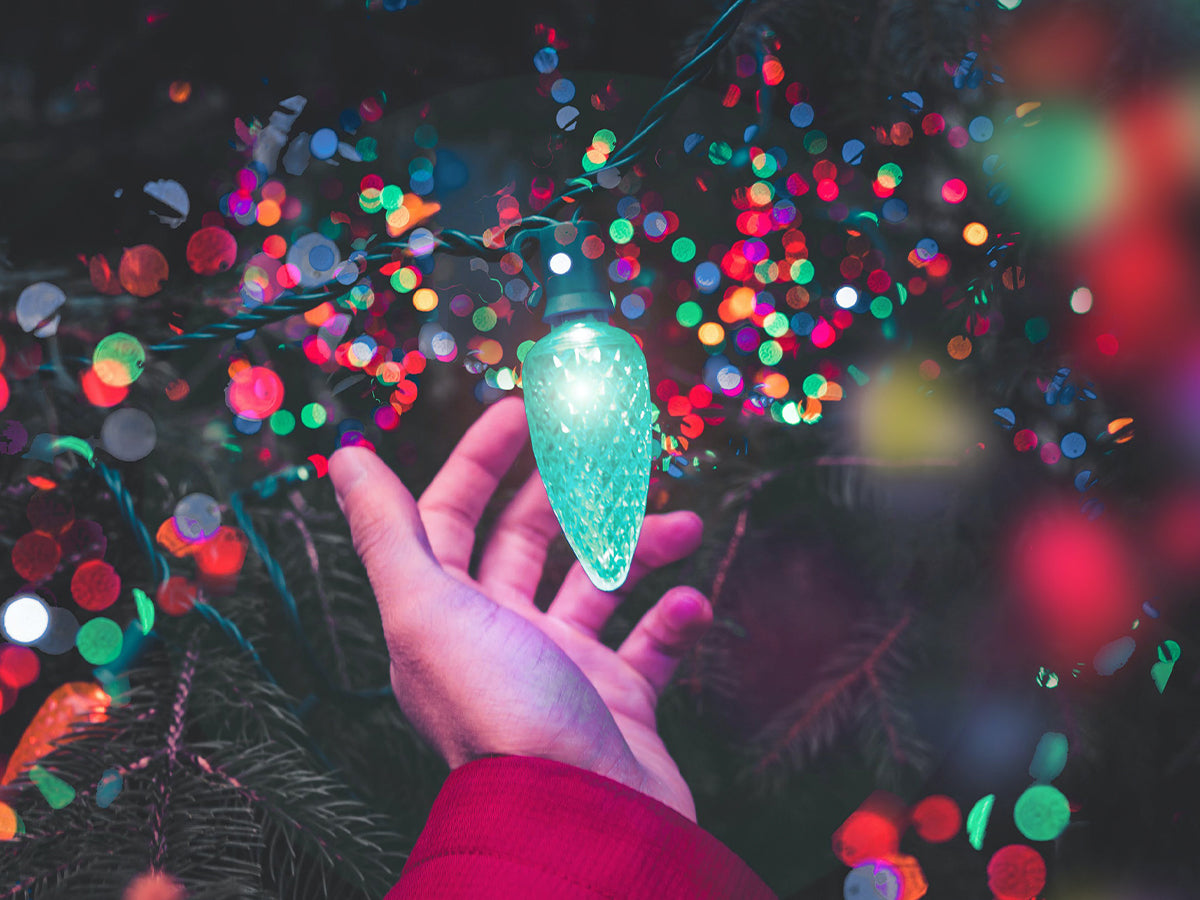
520, 828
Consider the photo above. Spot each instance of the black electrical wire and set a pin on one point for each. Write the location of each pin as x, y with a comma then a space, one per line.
696, 68
457, 242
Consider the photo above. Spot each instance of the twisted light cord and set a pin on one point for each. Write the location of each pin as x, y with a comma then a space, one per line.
264, 488
448, 240
696, 68
460, 243
162, 570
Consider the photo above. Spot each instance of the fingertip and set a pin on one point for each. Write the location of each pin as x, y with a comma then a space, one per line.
686, 530
666, 634
510, 407
690, 522
503, 425
513, 400
665, 538
688, 609
347, 467
352, 455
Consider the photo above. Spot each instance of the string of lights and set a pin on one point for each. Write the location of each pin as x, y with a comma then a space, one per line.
264, 488
125, 502
447, 240
460, 243
696, 68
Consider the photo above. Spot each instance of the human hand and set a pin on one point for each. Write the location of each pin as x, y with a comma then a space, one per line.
478, 669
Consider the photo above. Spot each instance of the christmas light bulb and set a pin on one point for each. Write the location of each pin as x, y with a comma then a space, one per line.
587, 399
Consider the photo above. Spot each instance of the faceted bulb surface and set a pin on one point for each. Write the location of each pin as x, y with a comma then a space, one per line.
587, 399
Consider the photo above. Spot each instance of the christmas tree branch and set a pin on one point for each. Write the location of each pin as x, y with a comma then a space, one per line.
162, 784
208, 810
314, 562
820, 712
888, 726
699, 662
735, 540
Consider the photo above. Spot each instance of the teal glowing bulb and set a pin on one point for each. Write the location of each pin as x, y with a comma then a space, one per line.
587, 399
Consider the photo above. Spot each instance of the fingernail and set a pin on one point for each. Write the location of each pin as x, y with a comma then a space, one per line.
345, 471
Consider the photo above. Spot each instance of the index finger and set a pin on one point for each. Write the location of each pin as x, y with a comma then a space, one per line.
455, 499
386, 530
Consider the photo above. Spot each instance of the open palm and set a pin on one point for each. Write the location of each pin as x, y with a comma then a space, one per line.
475, 665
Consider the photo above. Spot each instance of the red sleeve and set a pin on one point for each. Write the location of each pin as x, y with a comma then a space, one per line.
520, 828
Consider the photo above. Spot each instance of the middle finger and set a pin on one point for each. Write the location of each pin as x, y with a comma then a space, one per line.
455, 499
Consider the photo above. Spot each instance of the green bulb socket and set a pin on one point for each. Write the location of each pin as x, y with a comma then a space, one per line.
572, 283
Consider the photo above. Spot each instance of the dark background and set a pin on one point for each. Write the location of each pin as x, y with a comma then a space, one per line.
84, 111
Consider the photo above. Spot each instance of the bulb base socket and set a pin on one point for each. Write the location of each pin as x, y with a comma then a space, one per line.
578, 289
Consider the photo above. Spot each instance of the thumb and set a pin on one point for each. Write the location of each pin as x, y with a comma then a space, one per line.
385, 525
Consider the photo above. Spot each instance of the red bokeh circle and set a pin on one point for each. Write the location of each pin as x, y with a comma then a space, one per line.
177, 596
35, 556
211, 250
1016, 872
19, 666
95, 585
937, 818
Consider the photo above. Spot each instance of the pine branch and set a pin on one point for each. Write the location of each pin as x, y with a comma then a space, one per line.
337, 610
706, 667
707, 652
852, 684
212, 812
162, 784
319, 588
889, 736
334, 601
315, 817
